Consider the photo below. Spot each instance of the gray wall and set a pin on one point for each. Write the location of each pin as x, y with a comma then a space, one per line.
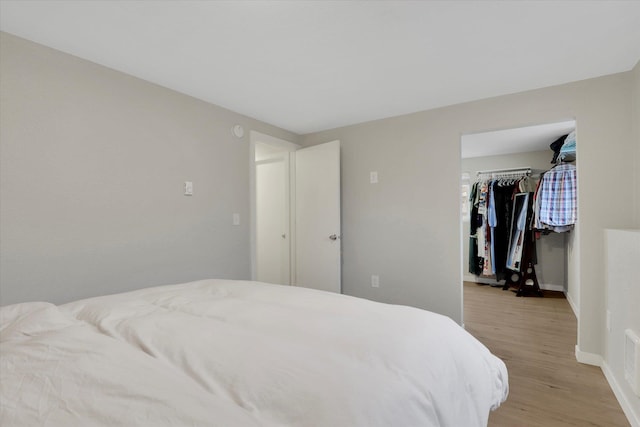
407, 227
92, 172
551, 249
623, 295
635, 120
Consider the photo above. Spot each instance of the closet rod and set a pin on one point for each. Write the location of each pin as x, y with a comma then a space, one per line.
523, 170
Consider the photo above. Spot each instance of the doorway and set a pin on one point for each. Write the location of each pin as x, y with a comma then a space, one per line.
295, 213
273, 229
272, 233
521, 148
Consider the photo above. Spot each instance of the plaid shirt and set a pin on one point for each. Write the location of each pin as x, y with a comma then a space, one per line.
558, 196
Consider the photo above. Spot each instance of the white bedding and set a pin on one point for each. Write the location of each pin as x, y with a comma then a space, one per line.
287, 356
236, 354
58, 371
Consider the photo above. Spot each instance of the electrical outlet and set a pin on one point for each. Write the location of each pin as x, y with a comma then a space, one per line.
375, 281
373, 177
188, 188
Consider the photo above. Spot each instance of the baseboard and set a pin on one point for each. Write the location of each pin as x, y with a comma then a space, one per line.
483, 280
597, 360
627, 408
572, 304
494, 282
551, 287
588, 358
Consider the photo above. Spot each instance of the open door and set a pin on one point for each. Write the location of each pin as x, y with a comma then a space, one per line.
317, 217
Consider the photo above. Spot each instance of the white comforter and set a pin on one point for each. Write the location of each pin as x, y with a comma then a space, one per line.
58, 371
288, 357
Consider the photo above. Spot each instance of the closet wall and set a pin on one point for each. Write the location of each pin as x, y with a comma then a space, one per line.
551, 268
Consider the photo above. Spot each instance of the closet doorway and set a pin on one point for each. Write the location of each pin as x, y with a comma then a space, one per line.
523, 148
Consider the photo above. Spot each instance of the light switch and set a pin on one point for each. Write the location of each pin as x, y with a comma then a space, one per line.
375, 281
188, 188
236, 219
373, 177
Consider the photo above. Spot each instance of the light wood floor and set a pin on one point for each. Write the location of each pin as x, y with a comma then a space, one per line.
536, 338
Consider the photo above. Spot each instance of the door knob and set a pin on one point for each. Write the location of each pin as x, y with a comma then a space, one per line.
333, 237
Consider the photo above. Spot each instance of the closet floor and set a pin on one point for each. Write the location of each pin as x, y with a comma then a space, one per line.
536, 339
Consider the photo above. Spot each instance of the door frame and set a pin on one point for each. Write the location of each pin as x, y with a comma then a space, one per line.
255, 138
572, 261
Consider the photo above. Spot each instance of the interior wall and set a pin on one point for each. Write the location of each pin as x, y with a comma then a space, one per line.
635, 120
574, 284
93, 163
551, 249
406, 228
623, 294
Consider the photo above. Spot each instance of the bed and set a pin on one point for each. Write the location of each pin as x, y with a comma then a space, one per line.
240, 353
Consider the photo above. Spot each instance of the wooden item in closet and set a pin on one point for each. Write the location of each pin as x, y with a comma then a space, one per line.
527, 272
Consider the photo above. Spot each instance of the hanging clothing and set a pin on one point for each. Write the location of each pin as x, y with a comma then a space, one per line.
475, 222
493, 224
519, 229
558, 198
479, 258
503, 205
491, 202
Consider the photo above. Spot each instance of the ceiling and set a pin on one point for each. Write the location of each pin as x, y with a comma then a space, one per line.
518, 140
307, 66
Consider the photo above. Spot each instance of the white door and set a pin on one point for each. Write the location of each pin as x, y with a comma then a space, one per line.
272, 220
317, 217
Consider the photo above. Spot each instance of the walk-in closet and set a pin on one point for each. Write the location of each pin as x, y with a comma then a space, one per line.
519, 209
